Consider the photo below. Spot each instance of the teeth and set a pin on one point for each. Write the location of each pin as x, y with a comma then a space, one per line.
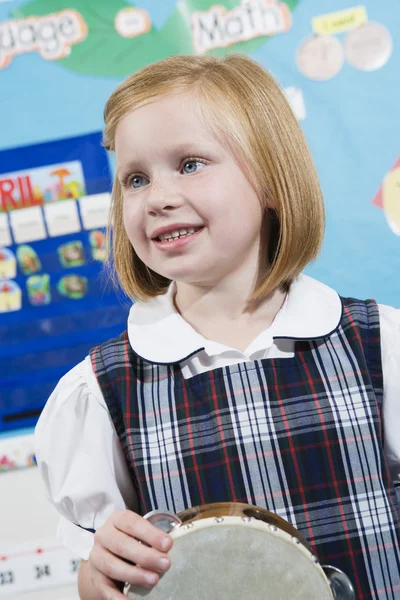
178, 233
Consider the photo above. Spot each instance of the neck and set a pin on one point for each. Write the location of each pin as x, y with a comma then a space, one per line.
227, 302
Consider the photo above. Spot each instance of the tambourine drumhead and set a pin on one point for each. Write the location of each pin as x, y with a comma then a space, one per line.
238, 558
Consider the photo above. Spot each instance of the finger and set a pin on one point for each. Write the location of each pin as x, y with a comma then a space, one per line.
124, 546
117, 569
107, 589
137, 527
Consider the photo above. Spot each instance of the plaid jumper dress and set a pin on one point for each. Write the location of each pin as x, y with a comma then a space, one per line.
299, 436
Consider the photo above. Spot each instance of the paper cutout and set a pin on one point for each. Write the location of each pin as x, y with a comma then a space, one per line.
52, 36
62, 218
5, 233
28, 260
296, 101
10, 296
131, 22
73, 286
38, 186
38, 288
369, 47
95, 210
339, 21
320, 57
8, 263
97, 242
72, 254
221, 28
388, 197
28, 225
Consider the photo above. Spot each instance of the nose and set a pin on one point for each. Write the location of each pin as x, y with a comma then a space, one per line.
162, 198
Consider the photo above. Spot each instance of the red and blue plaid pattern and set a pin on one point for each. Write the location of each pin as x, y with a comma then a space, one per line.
299, 436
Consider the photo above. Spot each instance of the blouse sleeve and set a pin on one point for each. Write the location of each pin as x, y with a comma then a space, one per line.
390, 341
81, 460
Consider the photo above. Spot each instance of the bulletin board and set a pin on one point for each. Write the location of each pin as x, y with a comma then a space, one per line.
54, 301
338, 63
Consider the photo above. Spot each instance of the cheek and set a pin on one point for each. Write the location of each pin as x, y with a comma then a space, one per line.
132, 222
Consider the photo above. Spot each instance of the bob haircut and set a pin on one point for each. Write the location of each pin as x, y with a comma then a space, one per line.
245, 107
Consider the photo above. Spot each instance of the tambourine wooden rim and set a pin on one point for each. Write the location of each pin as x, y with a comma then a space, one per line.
239, 509
181, 523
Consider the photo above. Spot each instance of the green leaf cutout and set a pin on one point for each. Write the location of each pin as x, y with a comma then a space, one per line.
105, 53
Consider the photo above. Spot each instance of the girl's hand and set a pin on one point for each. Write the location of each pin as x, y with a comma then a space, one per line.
127, 549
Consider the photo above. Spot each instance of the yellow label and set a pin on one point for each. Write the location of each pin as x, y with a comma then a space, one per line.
339, 21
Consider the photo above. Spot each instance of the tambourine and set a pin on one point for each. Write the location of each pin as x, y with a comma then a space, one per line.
232, 551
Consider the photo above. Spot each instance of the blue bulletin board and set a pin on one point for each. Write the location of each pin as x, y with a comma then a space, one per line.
338, 62
59, 305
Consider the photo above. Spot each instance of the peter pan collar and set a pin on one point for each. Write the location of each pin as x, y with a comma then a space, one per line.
158, 333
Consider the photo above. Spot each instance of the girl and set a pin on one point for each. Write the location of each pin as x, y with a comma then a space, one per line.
238, 378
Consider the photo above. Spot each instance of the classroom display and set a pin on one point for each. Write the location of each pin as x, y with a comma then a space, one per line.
59, 61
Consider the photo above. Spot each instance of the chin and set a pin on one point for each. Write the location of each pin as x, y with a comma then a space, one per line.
181, 277
182, 272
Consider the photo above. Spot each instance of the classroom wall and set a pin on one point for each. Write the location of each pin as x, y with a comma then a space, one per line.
52, 97
26, 515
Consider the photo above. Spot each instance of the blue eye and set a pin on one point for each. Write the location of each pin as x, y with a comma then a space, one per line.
136, 181
192, 165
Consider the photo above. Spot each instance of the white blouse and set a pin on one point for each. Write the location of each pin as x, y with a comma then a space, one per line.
78, 450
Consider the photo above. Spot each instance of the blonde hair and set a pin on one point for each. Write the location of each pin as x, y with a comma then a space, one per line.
251, 112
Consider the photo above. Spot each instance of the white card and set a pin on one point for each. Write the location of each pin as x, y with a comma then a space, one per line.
5, 234
28, 225
95, 210
62, 217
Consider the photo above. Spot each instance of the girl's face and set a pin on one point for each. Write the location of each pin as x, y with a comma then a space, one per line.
177, 178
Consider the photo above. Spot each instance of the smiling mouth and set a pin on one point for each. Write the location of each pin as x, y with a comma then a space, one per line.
178, 234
